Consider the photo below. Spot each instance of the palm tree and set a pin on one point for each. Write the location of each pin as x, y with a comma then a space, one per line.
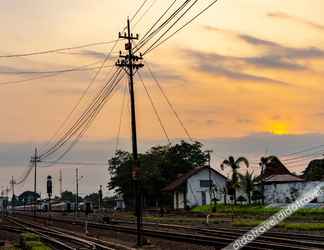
247, 182
234, 165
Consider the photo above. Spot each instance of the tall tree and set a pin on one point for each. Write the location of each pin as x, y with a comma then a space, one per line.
158, 167
314, 171
234, 165
247, 182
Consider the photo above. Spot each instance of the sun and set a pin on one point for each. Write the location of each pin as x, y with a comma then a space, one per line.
278, 128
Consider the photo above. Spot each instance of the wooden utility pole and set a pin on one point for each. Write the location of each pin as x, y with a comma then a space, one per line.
61, 182
209, 175
129, 63
77, 192
34, 160
13, 199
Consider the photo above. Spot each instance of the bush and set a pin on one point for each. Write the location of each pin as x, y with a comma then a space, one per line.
29, 237
30, 241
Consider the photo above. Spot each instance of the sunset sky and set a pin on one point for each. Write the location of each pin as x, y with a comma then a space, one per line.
246, 78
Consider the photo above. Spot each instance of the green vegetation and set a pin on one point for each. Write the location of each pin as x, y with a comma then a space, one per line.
159, 167
234, 183
238, 210
30, 241
255, 210
282, 225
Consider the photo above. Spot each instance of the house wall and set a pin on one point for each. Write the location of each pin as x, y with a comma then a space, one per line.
194, 194
282, 192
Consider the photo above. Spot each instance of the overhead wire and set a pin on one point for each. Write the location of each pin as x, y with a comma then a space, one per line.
157, 21
169, 28
56, 50
88, 124
121, 117
84, 93
154, 108
151, 33
144, 13
169, 102
182, 27
85, 116
82, 68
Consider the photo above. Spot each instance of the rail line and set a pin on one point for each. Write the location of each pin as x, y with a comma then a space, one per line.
59, 238
210, 237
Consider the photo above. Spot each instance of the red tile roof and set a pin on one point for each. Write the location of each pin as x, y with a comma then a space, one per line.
183, 178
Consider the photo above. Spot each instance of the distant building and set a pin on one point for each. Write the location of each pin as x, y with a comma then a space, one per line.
281, 186
192, 189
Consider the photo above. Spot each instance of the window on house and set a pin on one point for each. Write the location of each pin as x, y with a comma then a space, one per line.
205, 183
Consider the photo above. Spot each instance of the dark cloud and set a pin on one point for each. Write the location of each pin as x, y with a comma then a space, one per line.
93, 54
253, 145
276, 56
228, 67
244, 120
285, 16
256, 41
163, 73
320, 114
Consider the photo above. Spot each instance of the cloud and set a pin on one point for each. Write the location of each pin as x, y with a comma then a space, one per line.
224, 66
320, 114
252, 146
285, 16
276, 56
93, 54
244, 120
162, 72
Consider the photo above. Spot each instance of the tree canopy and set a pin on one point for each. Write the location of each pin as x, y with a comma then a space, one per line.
314, 171
158, 167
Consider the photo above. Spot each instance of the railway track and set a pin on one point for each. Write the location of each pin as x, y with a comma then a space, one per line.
217, 237
59, 238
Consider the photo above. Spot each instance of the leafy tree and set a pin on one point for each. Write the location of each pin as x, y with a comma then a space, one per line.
247, 182
93, 198
69, 196
314, 171
27, 197
241, 199
256, 196
158, 167
234, 165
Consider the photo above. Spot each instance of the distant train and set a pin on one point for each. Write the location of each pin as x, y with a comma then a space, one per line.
67, 207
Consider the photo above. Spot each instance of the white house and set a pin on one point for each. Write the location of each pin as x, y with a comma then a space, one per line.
281, 186
287, 188
192, 189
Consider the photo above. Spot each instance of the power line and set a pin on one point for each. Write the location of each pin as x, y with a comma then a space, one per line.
76, 163
84, 68
174, 23
182, 27
88, 124
84, 93
169, 103
302, 151
150, 34
145, 12
56, 50
86, 115
121, 117
157, 21
138, 10
154, 108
